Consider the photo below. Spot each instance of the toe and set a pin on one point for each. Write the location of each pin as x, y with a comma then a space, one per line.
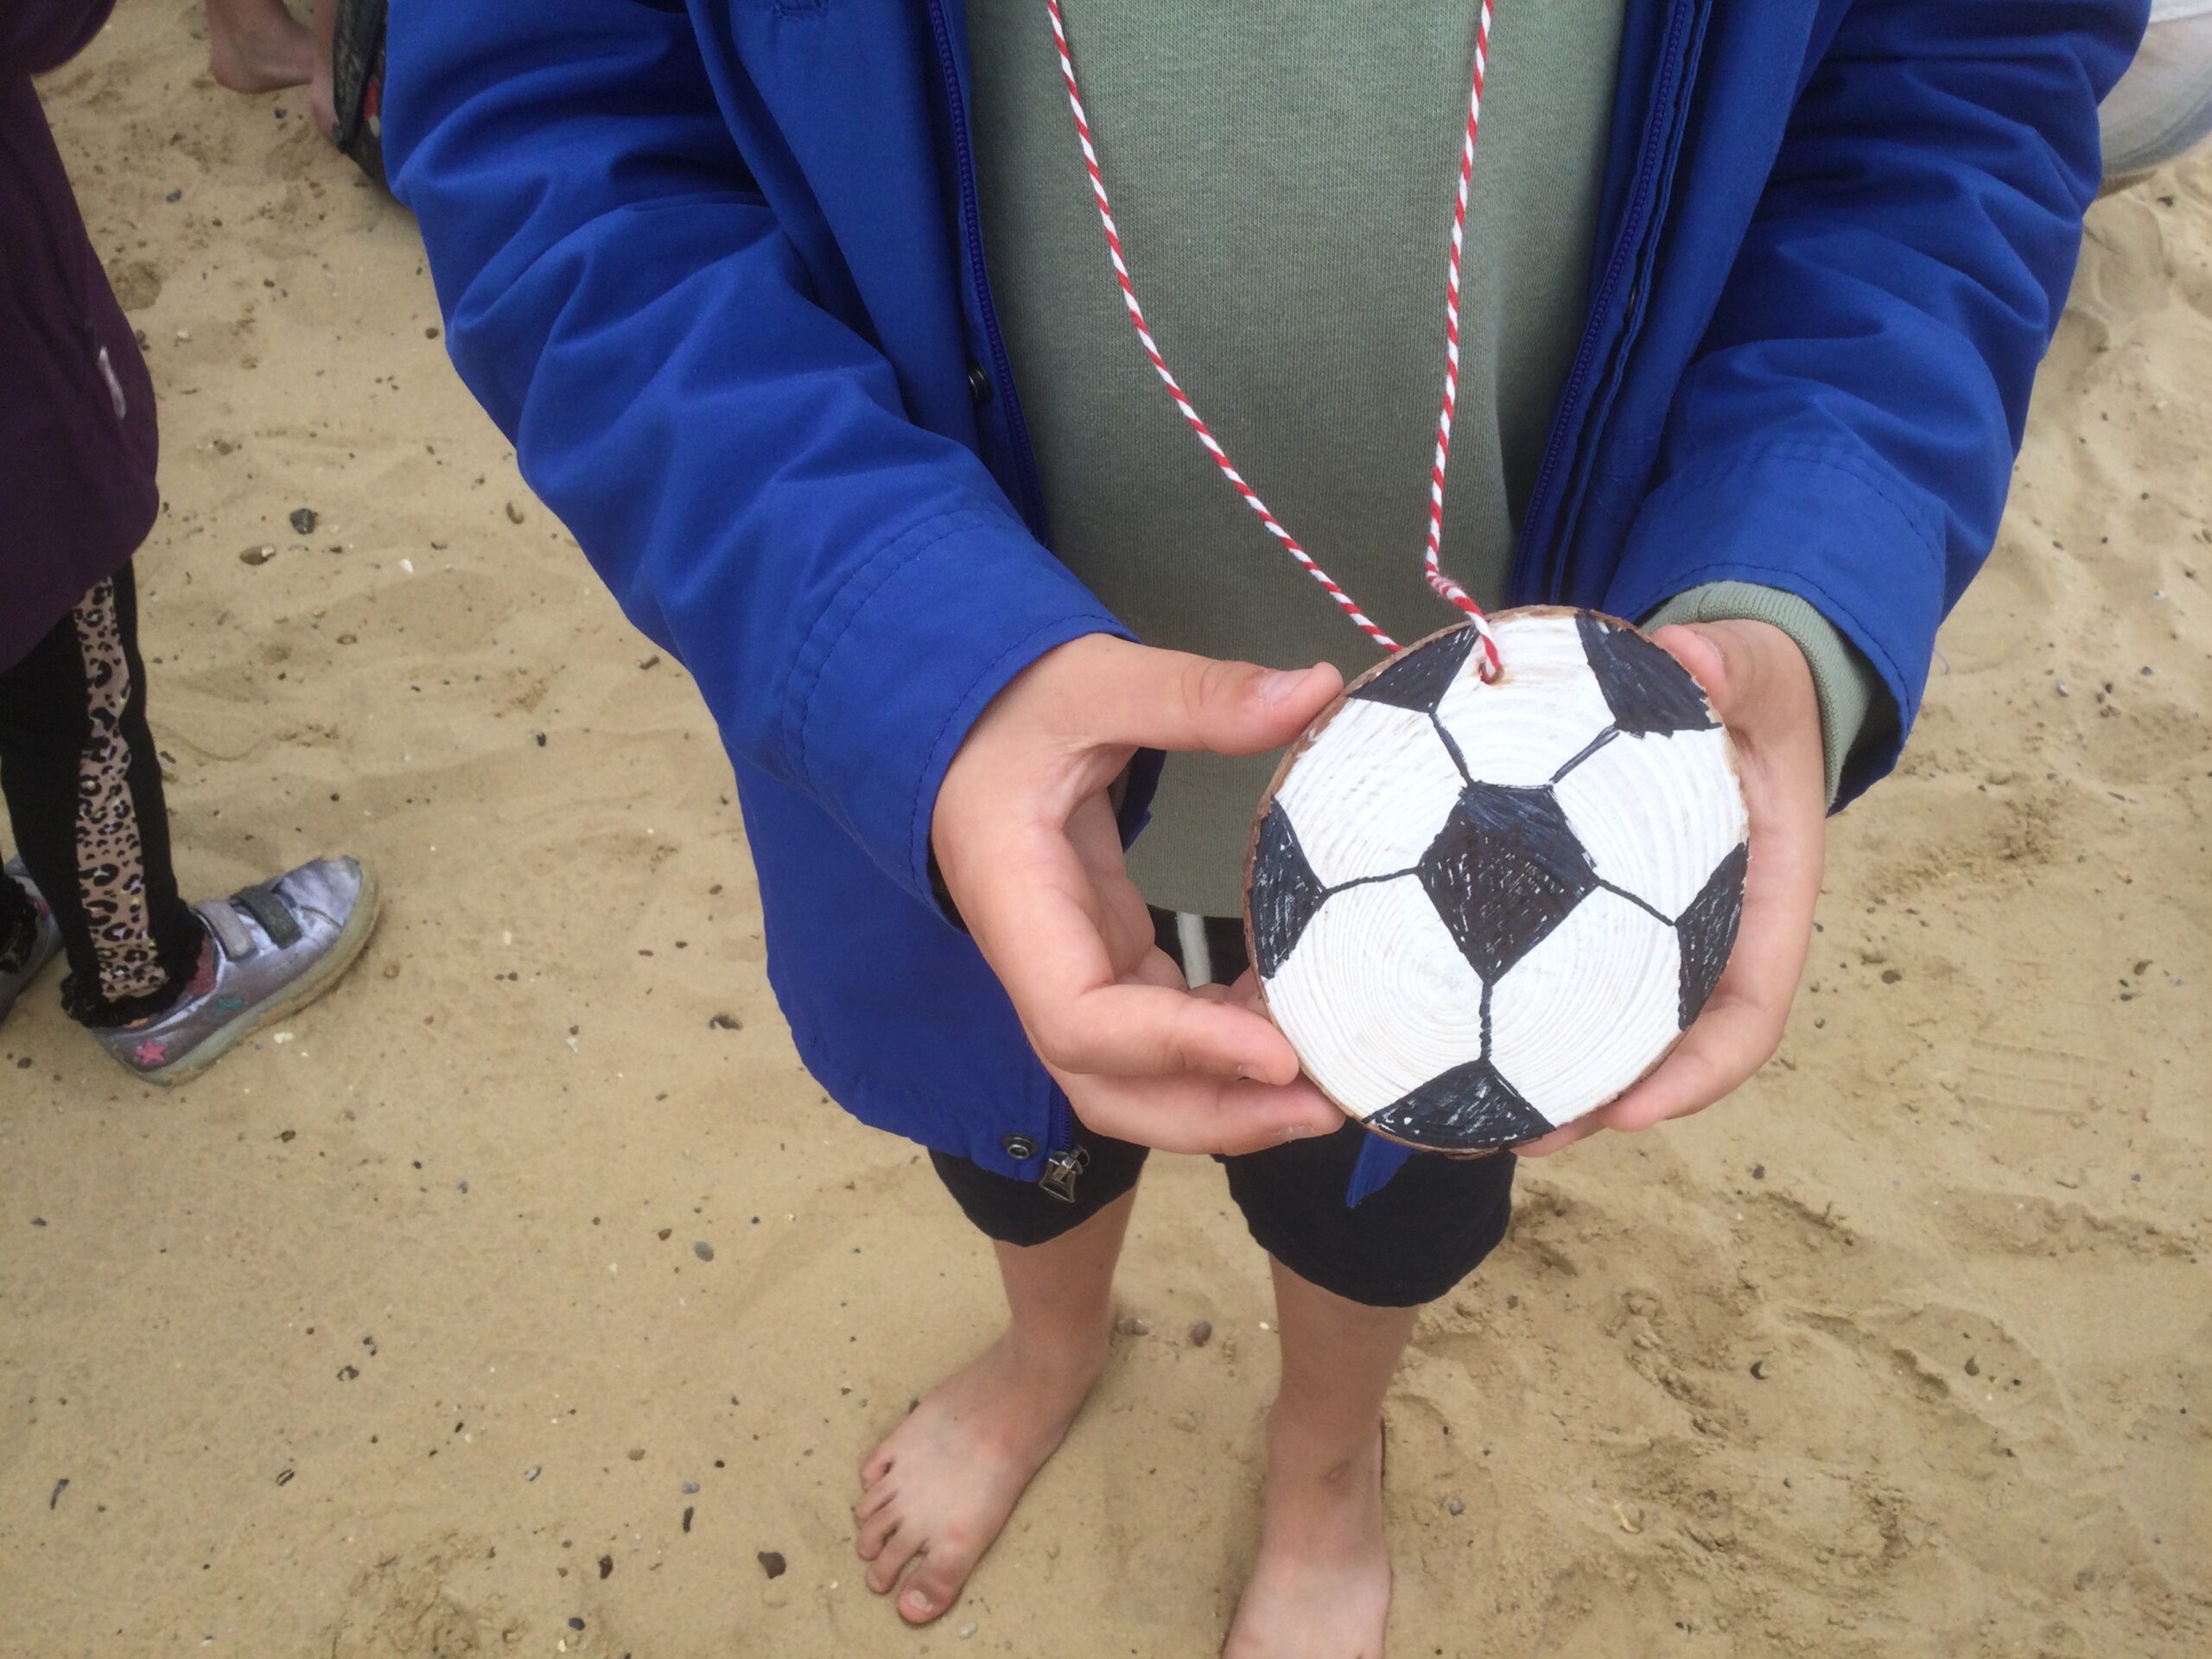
934, 1587
878, 1465
873, 1501
896, 1550
876, 1532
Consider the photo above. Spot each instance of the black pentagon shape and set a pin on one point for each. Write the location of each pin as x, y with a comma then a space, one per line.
1647, 689
1708, 930
1418, 679
1284, 892
1505, 871
1468, 1109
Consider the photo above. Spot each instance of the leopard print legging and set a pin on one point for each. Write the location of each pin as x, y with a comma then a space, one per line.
110, 859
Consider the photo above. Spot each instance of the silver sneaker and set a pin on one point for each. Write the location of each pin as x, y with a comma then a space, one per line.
274, 948
46, 941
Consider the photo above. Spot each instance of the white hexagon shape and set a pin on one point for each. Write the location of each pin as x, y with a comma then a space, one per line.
1371, 794
1656, 814
1544, 709
1375, 997
1590, 1009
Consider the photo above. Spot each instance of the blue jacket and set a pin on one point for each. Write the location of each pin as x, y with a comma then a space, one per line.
716, 271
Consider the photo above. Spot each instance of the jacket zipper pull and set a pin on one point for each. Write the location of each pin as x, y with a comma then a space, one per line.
1061, 1169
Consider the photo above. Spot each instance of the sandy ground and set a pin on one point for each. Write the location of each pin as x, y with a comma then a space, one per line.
390, 1336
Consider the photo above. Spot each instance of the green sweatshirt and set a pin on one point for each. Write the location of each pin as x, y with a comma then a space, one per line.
1282, 177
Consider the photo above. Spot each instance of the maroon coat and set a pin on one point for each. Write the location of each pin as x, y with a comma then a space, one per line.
77, 435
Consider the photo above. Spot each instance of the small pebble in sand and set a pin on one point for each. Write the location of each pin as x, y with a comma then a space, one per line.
703, 1250
514, 513
257, 554
637, 1454
690, 1486
575, 1623
607, 1567
304, 520
1762, 1369
1631, 1516
687, 1517
968, 1630
1133, 1327
724, 1022
1202, 1333
531, 1473
347, 1373
1456, 1506
663, 1234
1974, 1366
59, 1487
771, 1562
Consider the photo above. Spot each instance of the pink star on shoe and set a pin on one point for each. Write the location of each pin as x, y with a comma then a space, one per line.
152, 1051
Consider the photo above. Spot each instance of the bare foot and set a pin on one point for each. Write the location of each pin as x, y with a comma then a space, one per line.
256, 46
322, 99
939, 1488
1321, 1586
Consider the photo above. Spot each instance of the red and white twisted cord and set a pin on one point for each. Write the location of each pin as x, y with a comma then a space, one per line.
1443, 584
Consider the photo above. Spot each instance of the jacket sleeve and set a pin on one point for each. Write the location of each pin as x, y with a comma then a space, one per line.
39, 35
849, 589
1847, 429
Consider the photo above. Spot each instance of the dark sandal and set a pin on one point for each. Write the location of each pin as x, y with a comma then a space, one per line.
357, 84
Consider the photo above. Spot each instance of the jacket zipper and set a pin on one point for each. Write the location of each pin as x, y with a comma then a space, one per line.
1522, 583
971, 224
1065, 1158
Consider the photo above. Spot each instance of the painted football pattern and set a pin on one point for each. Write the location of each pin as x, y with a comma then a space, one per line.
1479, 911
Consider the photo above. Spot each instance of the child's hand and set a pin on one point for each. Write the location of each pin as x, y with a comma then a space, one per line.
1763, 691
1025, 838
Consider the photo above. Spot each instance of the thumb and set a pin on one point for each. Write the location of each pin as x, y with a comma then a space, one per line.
1704, 649
1172, 700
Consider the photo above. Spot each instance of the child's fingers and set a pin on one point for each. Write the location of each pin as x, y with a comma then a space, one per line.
1172, 700
1201, 1114
1152, 1030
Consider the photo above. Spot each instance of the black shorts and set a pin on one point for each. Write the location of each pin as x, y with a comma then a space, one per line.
1409, 1244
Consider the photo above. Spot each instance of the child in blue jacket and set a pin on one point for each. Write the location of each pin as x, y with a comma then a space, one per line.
800, 315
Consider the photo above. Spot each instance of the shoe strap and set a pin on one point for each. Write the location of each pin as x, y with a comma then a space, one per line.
264, 903
229, 929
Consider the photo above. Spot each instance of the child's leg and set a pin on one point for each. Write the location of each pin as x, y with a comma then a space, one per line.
936, 1491
1348, 1283
84, 787
256, 46
1321, 1584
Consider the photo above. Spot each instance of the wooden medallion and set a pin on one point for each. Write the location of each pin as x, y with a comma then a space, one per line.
1479, 911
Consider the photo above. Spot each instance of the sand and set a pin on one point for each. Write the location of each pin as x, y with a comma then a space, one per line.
389, 1336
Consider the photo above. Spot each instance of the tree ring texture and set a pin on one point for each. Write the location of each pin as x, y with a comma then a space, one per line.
1480, 910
